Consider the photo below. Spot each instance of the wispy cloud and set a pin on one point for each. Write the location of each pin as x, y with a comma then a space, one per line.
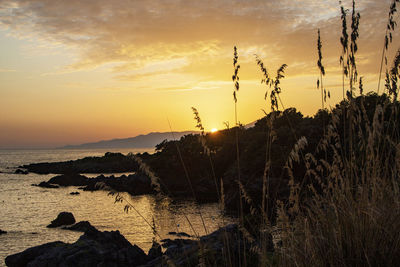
7, 70
146, 37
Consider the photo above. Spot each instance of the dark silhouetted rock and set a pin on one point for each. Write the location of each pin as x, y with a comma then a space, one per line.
179, 234
82, 226
26, 257
74, 193
69, 180
94, 248
185, 252
109, 163
20, 171
2, 232
134, 184
155, 251
64, 218
46, 185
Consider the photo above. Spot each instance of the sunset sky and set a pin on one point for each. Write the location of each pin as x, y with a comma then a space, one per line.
81, 71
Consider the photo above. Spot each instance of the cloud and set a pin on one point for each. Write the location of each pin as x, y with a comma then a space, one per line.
7, 70
147, 37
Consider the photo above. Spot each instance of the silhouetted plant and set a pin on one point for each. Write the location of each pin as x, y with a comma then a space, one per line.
321, 71
344, 41
390, 26
392, 78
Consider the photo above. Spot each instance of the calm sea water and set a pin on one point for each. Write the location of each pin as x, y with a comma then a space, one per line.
25, 210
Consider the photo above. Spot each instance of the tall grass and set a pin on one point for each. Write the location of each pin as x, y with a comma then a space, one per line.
349, 214
390, 26
347, 220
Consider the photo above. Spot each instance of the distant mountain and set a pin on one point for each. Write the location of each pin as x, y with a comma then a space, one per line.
140, 141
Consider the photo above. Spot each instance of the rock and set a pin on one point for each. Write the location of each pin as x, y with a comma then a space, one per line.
69, 180
155, 251
64, 218
20, 171
94, 248
185, 252
82, 226
46, 185
134, 184
109, 163
2, 232
74, 193
179, 234
29, 255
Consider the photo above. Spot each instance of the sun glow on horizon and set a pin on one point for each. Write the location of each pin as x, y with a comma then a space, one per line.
64, 84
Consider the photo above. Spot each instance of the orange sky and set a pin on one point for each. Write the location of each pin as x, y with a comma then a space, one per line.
81, 71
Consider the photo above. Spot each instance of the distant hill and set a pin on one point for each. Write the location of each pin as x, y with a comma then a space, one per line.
140, 141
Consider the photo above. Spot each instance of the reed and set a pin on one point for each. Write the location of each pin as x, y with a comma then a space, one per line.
390, 26
349, 212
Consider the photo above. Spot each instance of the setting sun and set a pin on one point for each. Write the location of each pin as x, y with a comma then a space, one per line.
213, 130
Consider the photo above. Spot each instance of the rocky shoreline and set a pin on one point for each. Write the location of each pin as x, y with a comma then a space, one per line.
109, 163
134, 184
97, 248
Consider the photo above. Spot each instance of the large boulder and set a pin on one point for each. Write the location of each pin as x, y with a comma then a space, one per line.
94, 248
46, 185
64, 218
69, 180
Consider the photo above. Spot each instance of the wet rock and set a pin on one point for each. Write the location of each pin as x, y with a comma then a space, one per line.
64, 218
2, 232
20, 171
46, 185
82, 226
74, 193
94, 248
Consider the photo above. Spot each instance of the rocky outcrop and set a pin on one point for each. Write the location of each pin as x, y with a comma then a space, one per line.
82, 226
46, 185
109, 163
222, 247
69, 180
94, 248
155, 251
134, 184
20, 171
64, 218
179, 234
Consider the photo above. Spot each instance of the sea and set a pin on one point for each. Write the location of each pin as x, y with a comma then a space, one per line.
26, 210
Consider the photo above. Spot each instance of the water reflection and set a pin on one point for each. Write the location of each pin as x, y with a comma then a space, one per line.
26, 211
169, 216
